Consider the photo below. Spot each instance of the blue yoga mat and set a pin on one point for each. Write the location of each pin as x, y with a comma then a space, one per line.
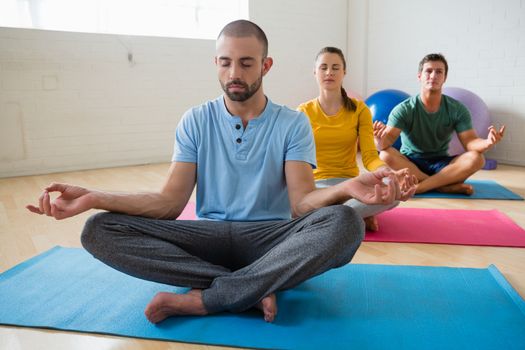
356, 306
483, 189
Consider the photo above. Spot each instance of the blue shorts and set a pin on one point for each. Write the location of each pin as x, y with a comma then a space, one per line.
431, 166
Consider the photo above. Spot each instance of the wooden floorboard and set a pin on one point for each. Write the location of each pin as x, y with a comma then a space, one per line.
24, 235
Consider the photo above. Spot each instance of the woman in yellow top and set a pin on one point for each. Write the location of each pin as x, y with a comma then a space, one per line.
338, 122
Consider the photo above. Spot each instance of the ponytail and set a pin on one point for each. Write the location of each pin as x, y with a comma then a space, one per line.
347, 101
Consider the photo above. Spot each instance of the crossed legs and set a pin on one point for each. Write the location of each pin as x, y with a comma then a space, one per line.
230, 266
450, 179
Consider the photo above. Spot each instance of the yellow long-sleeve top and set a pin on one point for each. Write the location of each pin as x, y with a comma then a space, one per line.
336, 140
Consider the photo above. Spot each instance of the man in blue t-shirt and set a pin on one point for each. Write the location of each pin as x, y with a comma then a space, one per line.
263, 226
426, 123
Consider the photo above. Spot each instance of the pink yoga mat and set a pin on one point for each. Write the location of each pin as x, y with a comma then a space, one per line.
440, 226
448, 226
188, 213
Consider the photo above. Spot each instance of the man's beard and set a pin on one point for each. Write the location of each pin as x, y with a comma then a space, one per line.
249, 90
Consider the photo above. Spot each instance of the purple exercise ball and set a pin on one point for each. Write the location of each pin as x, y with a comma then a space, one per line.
478, 111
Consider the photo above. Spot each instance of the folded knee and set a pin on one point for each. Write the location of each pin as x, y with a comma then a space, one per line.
347, 224
389, 155
355, 226
476, 160
89, 237
349, 232
385, 156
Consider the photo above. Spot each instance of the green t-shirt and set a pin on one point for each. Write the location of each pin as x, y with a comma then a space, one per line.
427, 135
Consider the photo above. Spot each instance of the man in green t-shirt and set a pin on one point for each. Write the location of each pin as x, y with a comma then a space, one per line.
426, 123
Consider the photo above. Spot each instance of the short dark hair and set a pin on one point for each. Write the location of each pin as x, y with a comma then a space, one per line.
243, 28
433, 57
347, 101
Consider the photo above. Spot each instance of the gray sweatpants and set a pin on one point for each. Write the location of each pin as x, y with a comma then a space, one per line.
235, 263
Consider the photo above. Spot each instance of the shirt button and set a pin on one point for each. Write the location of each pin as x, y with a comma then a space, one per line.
238, 126
239, 140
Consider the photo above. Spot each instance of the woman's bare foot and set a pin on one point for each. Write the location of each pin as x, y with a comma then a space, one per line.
371, 223
268, 305
164, 305
459, 187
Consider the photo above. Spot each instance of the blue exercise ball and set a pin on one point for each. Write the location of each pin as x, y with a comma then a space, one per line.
381, 104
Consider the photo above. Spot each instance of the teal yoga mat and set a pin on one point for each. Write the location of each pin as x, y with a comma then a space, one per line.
483, 189
353, 307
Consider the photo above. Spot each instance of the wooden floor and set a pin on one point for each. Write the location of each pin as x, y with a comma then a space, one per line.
24, 235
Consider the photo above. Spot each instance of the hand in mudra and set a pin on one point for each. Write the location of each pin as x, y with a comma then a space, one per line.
72, 200
382, 186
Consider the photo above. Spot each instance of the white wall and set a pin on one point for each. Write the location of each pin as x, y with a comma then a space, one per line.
483, 41
73, 101
296, 31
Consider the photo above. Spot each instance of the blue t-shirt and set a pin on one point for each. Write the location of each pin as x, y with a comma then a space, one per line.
240, 172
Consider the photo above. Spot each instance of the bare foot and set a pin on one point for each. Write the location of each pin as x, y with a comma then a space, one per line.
164, 305
459, 187
371, 224
268, 305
